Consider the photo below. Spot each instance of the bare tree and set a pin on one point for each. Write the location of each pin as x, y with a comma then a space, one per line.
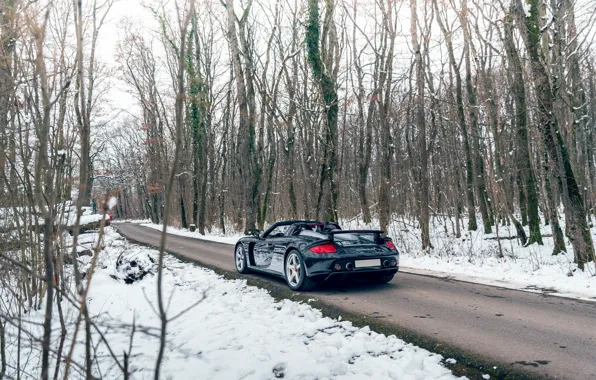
184, 20
421, 124
472, 225
322, 52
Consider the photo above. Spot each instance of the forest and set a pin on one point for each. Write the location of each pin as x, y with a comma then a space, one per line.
230, 115
481, 111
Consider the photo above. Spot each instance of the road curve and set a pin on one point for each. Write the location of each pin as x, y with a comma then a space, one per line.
546, 335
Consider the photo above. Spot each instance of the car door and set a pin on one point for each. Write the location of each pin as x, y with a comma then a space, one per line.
264, 247
277, 249
261, 253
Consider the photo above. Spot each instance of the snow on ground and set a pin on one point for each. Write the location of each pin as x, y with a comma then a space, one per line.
70, 215
235, 332
473, 258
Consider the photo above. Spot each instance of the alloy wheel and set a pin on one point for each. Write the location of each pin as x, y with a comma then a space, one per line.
293, 269
239, 258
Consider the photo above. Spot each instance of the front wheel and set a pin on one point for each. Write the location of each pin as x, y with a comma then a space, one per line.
295, 273
240, 259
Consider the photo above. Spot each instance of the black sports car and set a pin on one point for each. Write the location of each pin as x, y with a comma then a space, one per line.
306, 252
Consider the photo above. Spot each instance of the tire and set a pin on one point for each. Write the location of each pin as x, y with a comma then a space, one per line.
295, 273
382, 279
240, 259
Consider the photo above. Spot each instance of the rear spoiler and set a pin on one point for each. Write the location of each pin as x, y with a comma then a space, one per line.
377, 233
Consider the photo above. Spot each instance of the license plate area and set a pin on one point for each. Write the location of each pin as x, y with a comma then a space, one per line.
367, 263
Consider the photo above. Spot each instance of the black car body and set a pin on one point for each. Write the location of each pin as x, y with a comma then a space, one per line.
306, 252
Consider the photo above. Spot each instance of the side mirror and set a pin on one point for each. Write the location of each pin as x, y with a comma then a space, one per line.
254, 232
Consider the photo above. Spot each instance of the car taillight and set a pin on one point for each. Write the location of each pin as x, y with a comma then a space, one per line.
323, 248
390, 245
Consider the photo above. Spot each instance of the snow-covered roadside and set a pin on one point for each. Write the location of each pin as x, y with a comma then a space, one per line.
216, 237
473, 258
136, 221
235, 332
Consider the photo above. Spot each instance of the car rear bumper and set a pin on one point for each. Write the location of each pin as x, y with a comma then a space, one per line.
346, 266
356, 274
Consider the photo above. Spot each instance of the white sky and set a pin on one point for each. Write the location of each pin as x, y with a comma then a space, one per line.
135, 11
121, 100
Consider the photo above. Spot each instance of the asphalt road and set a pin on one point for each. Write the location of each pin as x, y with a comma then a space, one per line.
543, 334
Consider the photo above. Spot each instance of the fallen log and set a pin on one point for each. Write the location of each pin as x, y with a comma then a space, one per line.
512, 237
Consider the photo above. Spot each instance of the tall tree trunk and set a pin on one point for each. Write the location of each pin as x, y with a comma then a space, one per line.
480, 181
246, 129
326, 82
578, 109
523, 201
383, 100
424, 215
524, 161
472, 224
558, 238
44, 194
182, 206
291, 85
364, 125
7, 24
591, 144
576, 223
2, 350
179, 121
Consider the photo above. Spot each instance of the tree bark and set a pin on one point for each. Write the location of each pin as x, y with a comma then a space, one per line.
558, 238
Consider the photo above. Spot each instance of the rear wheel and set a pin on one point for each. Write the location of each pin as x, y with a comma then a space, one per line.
295, 273
240, 259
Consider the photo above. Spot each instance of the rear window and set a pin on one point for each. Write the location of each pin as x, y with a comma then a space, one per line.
352, 238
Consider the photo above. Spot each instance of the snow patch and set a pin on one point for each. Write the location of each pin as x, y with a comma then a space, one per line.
218, 238
527, 7
221, 329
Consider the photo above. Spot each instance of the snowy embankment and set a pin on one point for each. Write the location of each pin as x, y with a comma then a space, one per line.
235, 331
215, 236
475, 257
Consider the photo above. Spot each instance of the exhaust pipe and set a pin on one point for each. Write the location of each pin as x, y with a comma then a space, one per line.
349, 266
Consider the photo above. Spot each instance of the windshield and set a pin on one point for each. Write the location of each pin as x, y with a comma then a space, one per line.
279, 231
